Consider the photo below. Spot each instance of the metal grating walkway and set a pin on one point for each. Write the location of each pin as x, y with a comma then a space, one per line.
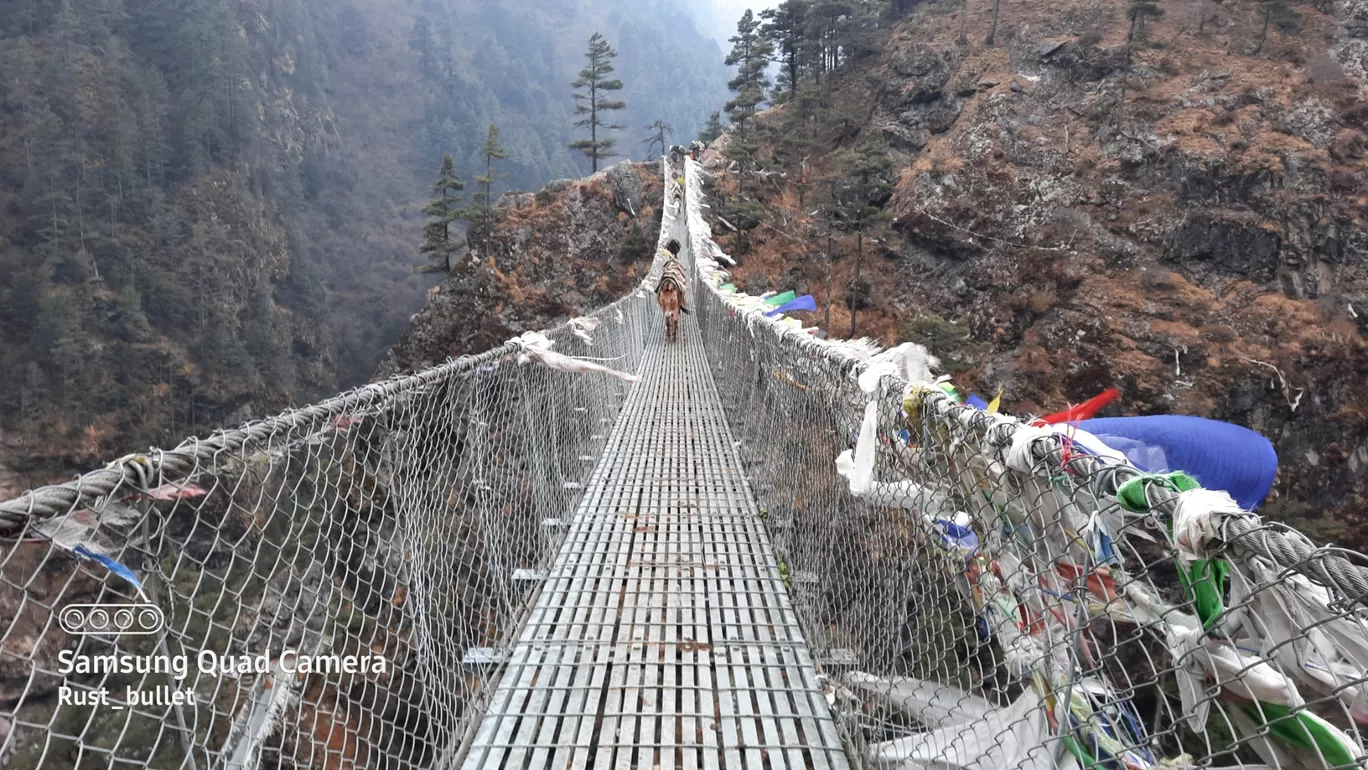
663, 637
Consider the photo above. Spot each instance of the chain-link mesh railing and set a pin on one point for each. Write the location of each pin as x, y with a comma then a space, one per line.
334, 587
983, 593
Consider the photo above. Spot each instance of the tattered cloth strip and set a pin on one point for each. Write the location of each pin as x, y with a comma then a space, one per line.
1015, 737
1324, 650
583, 327
1082, 411
908, 362
858, 470
928, 702
112, 566
173, 491
82, 528
91, 536
1218, 454
272, 698
780, 299
537, 347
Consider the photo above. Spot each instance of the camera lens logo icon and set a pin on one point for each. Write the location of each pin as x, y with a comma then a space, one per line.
112, 619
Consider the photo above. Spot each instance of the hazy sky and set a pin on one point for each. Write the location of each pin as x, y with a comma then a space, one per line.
724, 14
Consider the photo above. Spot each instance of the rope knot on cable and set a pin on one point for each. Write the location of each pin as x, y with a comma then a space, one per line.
1200, 519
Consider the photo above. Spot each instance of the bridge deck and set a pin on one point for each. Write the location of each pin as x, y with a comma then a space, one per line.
663, 638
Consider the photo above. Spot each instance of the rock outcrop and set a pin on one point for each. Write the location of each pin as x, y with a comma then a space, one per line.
1187, 221
570, 247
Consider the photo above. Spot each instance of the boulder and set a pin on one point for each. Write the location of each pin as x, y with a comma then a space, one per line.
918, 62
905, 138
1049, 47
626, 184
1231, 240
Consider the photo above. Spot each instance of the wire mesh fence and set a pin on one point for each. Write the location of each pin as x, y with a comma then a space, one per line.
982, 593
328, 588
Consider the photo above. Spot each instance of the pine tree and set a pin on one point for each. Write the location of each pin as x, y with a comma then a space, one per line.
442, 38
420, 40
1279, 14
786, 29
129, 322
23, 281
838, 30
1203, 16
750, 55
855, 32
438, 243
991, 40
712, 129
659, 131
1139, 12
23, 90
63, 343
266, 337
595, 102
821, 22
860, 197
484, 205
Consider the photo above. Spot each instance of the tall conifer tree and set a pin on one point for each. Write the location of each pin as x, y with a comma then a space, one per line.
484, 205
593, 100
712, 129
786, 28
438, 243
860, 197
750, 55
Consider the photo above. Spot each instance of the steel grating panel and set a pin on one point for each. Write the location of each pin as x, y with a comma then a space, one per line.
663, 638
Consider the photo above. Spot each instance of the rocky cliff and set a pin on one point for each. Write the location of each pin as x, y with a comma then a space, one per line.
573, 246
1183, 218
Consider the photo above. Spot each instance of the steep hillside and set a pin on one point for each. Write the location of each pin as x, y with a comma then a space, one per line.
1182, 217
148, 281
571, 247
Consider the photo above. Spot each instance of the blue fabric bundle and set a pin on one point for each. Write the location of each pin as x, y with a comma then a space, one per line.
805, 302
1218, 454
956, 536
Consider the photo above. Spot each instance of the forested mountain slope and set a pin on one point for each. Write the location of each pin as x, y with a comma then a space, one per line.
1169, 198
210, 208
512, 63
149, 279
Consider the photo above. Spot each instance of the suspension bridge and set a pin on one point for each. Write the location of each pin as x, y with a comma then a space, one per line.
590, 548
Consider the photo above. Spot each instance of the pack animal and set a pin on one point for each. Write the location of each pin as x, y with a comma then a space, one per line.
670, 291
